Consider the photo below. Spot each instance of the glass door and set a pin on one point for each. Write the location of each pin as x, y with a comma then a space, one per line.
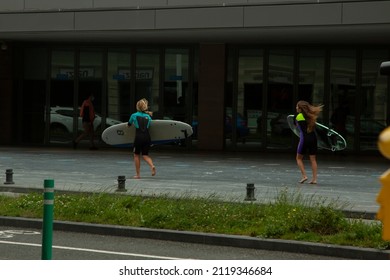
343, 95
61, 96
34, 95
147, 80
280, 101
373, 113
311, 85
118, 86
243, 111
176, 88
90, 82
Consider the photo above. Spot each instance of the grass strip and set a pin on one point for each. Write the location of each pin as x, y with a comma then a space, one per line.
290, 216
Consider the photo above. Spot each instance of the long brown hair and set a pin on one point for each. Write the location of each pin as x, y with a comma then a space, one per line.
310, 112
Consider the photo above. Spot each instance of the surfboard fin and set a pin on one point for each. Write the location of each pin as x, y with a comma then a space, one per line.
185, 133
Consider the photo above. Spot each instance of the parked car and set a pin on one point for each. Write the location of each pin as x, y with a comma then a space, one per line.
61, 121
279, 125
369, 129
241, 126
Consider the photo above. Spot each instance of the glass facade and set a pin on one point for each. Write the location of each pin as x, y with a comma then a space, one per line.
262, 88
373, 110
343, 94
176, 87
62, 96
244, 104
147, 79
34, 96
118, 84
346, 81
280, 101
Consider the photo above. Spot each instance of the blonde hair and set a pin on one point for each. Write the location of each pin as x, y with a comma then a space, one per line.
142, 105
310, 112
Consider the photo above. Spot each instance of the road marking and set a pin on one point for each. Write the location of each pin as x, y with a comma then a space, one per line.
92, 251
12, 233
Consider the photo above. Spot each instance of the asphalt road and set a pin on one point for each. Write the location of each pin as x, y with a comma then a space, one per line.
25, 244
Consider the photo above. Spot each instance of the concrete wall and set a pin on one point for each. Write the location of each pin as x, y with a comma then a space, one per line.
19, 5
79, 15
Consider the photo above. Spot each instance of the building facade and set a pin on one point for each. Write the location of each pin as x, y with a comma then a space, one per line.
234, 69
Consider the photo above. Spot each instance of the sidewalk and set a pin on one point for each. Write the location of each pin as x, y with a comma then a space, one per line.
352, 182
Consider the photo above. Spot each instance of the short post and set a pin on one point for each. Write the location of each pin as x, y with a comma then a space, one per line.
8, 176
121, 184
47, 227
250, 192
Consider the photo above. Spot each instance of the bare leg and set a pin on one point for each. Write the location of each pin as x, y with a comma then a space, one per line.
88, 130
84, 134
299, 159
92, 136
137, 163
313, 161
149, 161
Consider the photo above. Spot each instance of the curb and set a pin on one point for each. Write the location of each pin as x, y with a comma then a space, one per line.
347, 252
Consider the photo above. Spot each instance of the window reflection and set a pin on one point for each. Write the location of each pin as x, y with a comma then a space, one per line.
176, 84
373, 113
147, 81
118, 84
280, 97
243, 111
311, 76
90, 82
343, 94
61, 95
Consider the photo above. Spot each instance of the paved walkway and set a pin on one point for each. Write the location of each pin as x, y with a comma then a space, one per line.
352, 182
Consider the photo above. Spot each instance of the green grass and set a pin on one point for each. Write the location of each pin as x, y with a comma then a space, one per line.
290, 216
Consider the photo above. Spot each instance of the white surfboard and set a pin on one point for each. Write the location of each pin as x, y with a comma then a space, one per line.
161, 132
327, 138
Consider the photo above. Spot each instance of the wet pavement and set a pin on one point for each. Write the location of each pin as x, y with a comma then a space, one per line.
351, 182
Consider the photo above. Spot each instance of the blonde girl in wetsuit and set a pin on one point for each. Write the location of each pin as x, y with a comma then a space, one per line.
305, 120
141, 120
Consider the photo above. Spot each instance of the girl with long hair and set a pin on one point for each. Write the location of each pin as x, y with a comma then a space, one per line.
305, 119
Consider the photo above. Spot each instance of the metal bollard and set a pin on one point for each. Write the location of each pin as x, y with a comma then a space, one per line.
121, 184
250, 192
8, 176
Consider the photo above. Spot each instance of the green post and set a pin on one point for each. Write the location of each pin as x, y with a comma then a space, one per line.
47, 228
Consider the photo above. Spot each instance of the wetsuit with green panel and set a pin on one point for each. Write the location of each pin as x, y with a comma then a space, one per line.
307, 140
142, 141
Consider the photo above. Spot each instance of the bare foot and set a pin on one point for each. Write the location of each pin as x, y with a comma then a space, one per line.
303, 180
136, 177
153, 171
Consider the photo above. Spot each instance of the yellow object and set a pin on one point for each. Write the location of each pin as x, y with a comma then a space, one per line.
384, 142
384, 194
384, 201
